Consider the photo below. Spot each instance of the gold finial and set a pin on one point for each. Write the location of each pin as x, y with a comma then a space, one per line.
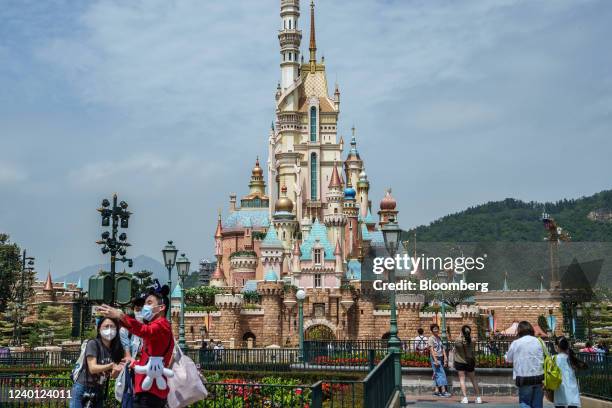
313, 41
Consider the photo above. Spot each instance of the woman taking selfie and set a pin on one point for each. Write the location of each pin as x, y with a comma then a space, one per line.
102, 361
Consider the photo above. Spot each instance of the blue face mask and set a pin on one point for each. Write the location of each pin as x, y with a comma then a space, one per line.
147, 313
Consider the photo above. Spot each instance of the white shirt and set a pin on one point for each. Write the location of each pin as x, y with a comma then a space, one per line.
567, 393
420, 342
526, 356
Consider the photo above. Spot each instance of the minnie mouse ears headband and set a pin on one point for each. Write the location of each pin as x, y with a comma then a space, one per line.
158, 289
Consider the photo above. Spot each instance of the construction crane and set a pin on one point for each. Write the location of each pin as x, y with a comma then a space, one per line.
556, 234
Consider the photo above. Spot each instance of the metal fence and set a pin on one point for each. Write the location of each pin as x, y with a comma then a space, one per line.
596, 380
39, 359
280, 359
379, 384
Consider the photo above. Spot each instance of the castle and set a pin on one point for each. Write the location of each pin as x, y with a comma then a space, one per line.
312, 224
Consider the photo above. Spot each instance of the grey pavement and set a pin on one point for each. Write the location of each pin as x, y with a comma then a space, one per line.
498, 402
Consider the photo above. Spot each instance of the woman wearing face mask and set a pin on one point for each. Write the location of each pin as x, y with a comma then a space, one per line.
465, 363
102, 360
157, 341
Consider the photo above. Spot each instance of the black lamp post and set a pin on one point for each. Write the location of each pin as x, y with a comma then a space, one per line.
169, 252
391, 234
182, 267
27, 266
110, 242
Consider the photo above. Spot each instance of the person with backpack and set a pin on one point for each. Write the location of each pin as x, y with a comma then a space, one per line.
152, 368
100, 360
568, 394
465, 363
527, 357
420, 342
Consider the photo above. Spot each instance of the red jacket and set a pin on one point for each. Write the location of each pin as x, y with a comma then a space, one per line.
157, 339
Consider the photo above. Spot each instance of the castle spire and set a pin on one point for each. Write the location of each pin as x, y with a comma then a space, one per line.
335, 178
313, 40
219, 229
49, 282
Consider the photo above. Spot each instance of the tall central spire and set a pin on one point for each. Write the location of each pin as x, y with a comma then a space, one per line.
313, 41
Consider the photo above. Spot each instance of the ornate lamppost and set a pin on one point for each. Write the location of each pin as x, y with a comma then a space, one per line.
169, 252
300, 296
110, 242
182, 267
391, 234
27, 266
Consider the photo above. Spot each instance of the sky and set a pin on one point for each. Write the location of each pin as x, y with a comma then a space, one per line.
168, 103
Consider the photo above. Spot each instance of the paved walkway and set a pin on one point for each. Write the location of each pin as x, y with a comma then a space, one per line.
497, 402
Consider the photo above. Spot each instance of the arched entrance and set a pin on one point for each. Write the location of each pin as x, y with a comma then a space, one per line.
249, 336
319, 332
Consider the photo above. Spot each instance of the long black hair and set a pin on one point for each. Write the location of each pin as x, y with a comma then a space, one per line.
116, 349
466, 331
574, 361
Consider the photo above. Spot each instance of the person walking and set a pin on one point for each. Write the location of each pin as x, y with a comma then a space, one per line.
439, 360
465, 363
527, 357
568, 394
102, 361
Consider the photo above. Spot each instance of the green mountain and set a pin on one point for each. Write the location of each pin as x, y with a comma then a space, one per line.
586, 219
511, 234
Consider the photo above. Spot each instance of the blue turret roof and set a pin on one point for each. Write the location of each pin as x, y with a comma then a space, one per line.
249, 286
79, 284
349, 193
318, 232
353, 269
369, 219
176, 293
271, 240
247, 218
271, 276
376, 238
365, 234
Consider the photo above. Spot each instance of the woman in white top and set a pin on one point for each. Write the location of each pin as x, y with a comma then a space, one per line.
568, 394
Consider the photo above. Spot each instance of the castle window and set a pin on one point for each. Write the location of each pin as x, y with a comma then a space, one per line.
284, 56
317, 280
317, 257
313, 124
290, 24
313, 176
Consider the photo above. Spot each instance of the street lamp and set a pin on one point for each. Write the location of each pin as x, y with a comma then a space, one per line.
169, 252
391, 234
182, 267
27, 267
110, 242
300, 296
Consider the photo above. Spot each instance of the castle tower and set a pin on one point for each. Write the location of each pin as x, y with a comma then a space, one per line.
387, 209
335, 219
363, 189
257, 185
304, 145
289, 38
353, 163
218, 278
351, 212
271, 294
272, 253
284, 220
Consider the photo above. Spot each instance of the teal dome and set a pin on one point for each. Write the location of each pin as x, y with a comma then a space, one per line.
271, 276
349, 192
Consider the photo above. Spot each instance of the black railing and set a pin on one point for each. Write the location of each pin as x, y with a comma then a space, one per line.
39, 359
379, 385
596, 380
280, 359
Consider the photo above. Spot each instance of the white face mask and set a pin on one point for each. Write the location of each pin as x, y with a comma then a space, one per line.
138, 316
108, 333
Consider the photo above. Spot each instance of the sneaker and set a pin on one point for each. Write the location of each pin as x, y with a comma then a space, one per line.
437, 394
464, 400
478, 400
446, 394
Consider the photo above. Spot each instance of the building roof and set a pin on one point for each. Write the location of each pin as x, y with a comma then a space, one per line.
376, 238
250, 218
271, 240
369, 219
353, 269
176, 293
318, 232
271, 276
249, 286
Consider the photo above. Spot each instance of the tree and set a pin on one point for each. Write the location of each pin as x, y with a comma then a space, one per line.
201, 296
141, 281
10, 268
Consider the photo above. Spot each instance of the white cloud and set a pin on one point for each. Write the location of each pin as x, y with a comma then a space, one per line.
11, 174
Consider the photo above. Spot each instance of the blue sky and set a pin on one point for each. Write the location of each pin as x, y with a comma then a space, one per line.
168, 103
